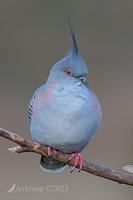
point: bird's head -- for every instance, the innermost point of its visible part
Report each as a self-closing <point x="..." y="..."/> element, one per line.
<point x="72" y="68"/>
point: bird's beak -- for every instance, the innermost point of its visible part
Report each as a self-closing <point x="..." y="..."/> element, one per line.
<point x="83" y="80"/>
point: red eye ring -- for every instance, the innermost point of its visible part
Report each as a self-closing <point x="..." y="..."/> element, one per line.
<point x="68" y="72"/>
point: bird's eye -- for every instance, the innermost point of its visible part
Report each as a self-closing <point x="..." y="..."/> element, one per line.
<point x="68" y="71"/>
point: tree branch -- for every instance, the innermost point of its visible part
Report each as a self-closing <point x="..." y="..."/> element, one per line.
<point x="98" y="170"/>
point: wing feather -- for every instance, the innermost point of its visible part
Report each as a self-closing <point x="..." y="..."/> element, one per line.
<point x="30" y="107"/>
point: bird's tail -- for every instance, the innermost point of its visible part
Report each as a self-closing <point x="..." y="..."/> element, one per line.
<point x="48" y="165"/>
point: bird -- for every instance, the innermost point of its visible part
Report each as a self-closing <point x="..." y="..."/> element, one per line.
<point x="64" y="113"/>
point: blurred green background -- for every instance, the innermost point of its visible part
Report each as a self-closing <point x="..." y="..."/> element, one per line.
<point x="33" y="36"/>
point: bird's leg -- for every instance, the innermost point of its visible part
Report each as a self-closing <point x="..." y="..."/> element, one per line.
<point x="77" y="158"/>
<point x="81" y="163"/>
<point x="55" y="152"/>
<point x="49" y="151"/>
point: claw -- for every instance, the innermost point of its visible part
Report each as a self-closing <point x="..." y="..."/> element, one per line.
<point x="49" y="152"/>
<point x="77" y="158"/>
<point x="81" y="163"/>
<point x="55" y="152"/>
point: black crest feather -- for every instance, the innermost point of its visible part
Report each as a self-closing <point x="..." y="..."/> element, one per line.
<point x="75" y="47"/>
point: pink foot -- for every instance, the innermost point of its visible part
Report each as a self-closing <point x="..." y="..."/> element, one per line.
<point x="49" y="152"/>
<point x="77" y="158"/>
